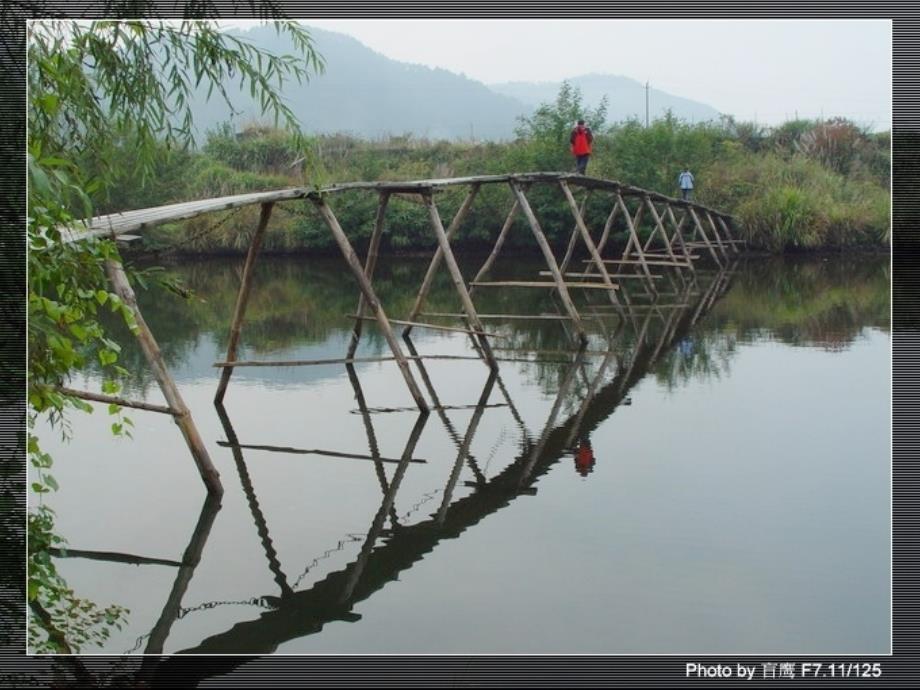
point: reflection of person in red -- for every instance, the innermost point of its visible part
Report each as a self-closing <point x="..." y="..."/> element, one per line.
<point x="584" y="458"/>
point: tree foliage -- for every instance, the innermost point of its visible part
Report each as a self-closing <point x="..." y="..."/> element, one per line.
<point x="93" y="86"/>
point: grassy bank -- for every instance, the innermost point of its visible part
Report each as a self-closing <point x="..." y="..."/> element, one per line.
<point x="803" y="186"/>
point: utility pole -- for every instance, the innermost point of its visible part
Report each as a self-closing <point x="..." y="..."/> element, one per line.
<point x="646" y="104"/>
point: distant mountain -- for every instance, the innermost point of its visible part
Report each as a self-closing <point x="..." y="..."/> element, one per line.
<point x="365" y="93"/>
<point x="369" y="95"/>
<point x="626" y="97"/>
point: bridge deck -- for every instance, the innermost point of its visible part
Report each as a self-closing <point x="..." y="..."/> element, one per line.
<point x="141" y="219"/>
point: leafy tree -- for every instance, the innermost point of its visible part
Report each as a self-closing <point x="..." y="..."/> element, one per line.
<point x="91" y="86"/>
<point x="545" y="134"/>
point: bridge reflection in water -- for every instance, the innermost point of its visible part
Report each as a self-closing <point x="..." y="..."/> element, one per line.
<point x="595" y="382"/>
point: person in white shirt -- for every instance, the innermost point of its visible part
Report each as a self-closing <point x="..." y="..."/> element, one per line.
<point x="685" y="182"/>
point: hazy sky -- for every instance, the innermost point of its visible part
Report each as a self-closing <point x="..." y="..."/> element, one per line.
<point x="749" y="68"/>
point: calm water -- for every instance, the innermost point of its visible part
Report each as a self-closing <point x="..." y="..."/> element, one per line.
<point x="718" y="486"/>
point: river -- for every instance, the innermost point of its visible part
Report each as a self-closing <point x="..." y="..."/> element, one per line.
<point x="719" y="483"/>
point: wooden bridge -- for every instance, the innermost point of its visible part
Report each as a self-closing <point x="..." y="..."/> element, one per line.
<point x="668" y="252"/>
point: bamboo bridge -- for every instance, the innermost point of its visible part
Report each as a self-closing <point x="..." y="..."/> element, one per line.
<point x="628" y="278"/>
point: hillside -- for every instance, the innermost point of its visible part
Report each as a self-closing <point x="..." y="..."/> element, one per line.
<point x="366" y="94"/>
<point x="626" y="97"/>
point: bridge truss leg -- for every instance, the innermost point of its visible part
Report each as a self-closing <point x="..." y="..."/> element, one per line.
<point x="373" y="303"/>
<point x="242" y="300"/>
<point x="180" y="412"/>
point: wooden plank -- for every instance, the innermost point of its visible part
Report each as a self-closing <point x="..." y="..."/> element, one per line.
<point x="141" y="219"/>
<point x="537" y="284"/>
<point x="316" y="451"/>
<point x="433" y="326"/>
<point x="182" y="416"/>
<point x="242" y="300"/>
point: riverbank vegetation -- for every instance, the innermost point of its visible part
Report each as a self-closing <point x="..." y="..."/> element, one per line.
<point x="805" y="185"/>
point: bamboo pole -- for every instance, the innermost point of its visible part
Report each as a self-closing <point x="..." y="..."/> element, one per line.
<point x="715" y="233"/>
<point x="373" y="303"/>
<point x="242" y="299"/>
<point x="113" y="400"/>
<point x="459" y="217"/>
<point x="181" y="414"/>
<point x="502" y="235"/>
<point x="433" y="326"/>
<point x="441" y="409"/>
<point x="386" y="508"/>
<point x="190" y="560"/>
<point x="678" y="233"/>
<point x="632" y="223"/>
<point x="369" y="265"/>
<point x="699" y="228"/>
<point x="464" y="450"/>
<point x="608" y="226"/>
<point x="573" y="238"/>
<point x="589" y="243"/>
<point x="550" y="261"/>
<point x="255" y="510"/>
<point x="731" y="240"/>
<point x="659" y="227"/>
<point x="457" y="277"/>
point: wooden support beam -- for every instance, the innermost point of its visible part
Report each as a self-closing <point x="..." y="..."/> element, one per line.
<point x="544" y="284"/>
<point x="715" y="234"/>
<point x="678" y="229"/>
<point x="625" y="276"/>
<point x="112" y="557"/>
<point x="608" y="227"/>
<point x="499" y="317"/>
<point x="181" y="414"/>
<point x="728" y="240"/>
<point x="432" y="326"/>
<point x="457" y="277"/>
<point x="242" y="299"/>
<point x="315" y="451"/>
<point x="502" y="235"/>
<point x="113" y="400"/>
<point x="373" y="303"/>
<point x="646" y="262"/>
<point x="434" y="408"/>
<point x="632" y="224"/>
<point x="550" y="261"/>
<point x="459" y="217"/>
<point x="589" y="243"/>
<point x="698" y="226"/>
<point x="573" y="238"/>
<point x="369" y="265"/>
<point x="659" y="227"/>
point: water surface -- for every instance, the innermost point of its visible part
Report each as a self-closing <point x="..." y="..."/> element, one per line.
<point x="735" y="498"/>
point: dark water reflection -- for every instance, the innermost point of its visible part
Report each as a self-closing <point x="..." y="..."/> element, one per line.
<point x="708" y="478"/>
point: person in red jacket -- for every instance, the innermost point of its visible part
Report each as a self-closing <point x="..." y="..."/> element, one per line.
<point x="584" y="458"/>
<point x="580" y="140"/>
